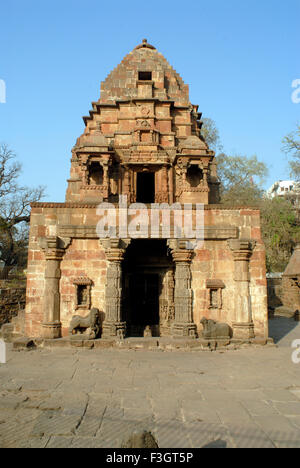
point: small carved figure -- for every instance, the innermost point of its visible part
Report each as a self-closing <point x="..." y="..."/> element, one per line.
<point x="215" y="330"/>
<point x="147" y="331"/>
<point x="120" y="334"/>
<point x="89" y="324"/>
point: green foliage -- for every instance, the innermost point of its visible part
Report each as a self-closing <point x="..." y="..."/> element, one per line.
<point x="280" y="231"/>
<point x="241" y="179"/>
<point x="210" y="134"/>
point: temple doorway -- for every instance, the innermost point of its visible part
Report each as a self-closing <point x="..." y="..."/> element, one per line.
<point x="148" y="289"/>
<point x="145" y="300"/>
<point x="145" y="187"/>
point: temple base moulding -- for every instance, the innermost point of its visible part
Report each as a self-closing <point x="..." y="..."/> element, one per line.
<point x="114" y="329"/>
<point x="51" y="331"/>
<point x="243" y="331"/>
<point x="187" y="330"/>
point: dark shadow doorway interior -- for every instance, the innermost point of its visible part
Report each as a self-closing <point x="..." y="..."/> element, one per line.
<point x="145" y="187"/>
<point x="145" y="268"/>
<point x="144" y="300"/>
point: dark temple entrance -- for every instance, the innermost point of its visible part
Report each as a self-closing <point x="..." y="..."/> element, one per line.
<point x="145" y="300"/>
<point x="145" y="294"/>
<point x="145" y="187"/>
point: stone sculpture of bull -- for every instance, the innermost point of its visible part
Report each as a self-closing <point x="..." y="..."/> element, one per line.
<point x="215" y="330"/>
<point x="89" y="324"/>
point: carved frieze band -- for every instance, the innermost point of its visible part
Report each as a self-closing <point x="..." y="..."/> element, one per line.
<point x="208" y="233"/>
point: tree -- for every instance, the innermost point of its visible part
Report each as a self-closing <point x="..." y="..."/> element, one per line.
<point x="211" y="134"/>
<point x="14" y="212"/>
<point x="9" y="171"/>
<point x="280" y="231"/>
<point x="291" y="146"/>
<point x="241" y="179"/>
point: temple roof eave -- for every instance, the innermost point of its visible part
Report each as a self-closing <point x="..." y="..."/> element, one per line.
<point x="115" y="104"/>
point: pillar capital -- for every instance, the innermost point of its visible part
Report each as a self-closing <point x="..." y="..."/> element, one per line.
<point x="180" y="251"/>
<point x="54" y="247"/>
<point x="115" y="255"/>
<point x="182" y="256"/>
<point x="115" y="248"/>
<point x="242" y="248"/>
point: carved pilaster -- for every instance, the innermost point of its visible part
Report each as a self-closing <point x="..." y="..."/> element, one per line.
<point x="163" y="195"/>
<point x="54" y="248"/>
<point x="113" y="324"/>
<point x="205" y="176"/>
<point x="242" y="250"/>
<point x="183" y="295"/>
<point x="105" y="165"/>
<point x="127" y="183"/>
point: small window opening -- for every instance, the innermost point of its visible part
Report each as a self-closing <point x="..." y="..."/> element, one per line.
<point x="145" y="187"/>
<point x="145" y="76"/>
<point x="95" y="174"/>
<point x="194" y="176"/>
<point x="145" y="137"/>
<point x="214" y="298"/>
<point x="82" y="295"/>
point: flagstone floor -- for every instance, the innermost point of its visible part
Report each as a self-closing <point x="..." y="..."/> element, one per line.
<point x="75" y="398"/>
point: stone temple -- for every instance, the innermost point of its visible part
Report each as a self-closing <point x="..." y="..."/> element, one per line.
<point x="142" y="143"/>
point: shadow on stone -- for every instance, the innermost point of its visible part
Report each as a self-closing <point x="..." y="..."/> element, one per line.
<point x="216" y="444"/>
<point x="279" y="327"/>
<point x="139" y="439"/>
<point x="24" y="343"/>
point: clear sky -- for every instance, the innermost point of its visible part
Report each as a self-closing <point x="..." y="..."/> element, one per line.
<point x="239" y="57"/>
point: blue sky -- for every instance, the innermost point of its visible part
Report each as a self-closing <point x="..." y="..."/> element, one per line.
<point x="239" y="58"/>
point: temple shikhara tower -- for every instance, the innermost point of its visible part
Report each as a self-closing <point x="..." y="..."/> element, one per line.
<point x="142" y="143"/>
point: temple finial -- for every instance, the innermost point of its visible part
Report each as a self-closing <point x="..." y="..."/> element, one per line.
<point x="145" y="44"/>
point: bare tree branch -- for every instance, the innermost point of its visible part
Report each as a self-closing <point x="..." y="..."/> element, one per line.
<point x="15" y="204"/>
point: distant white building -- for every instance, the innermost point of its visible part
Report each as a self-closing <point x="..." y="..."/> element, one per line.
<point x="282" y="188"/>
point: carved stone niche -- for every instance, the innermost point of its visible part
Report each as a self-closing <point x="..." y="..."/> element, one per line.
<point x="83" y="288"/>
<point x="214" y="287"/>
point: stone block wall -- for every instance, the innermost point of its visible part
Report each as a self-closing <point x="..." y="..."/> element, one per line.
<point x="85" y="258"/>
<point x="275" y="292"/>
<point x="214" y="263"/>
<point x="291" y="292"/>
<point x="12" y="300"/>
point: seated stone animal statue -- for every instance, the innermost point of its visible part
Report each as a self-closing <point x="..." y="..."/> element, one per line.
<point x="215" y="330"/>
<point x="86" y="325"/>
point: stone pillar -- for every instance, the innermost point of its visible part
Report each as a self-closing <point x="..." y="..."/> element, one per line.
<point x="127" y="183"/>
<point x="165" y="185"/>
<point x="183" y="295"/>
<point x="113" y="325"/>
<point x="243" y="326"/>
<point x="51" y="326"/>
<point x="205" y="176"/>
<point x="171" y="185"/>
<point x="105" y="166"/>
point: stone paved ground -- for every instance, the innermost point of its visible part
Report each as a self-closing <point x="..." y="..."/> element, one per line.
<point x="93" y="398"/>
